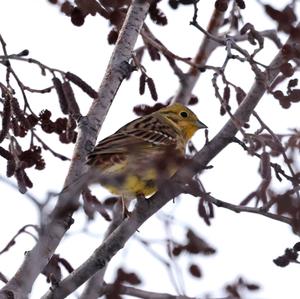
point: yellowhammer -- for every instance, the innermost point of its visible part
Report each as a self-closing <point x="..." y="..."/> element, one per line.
<point x="144" y="151"/>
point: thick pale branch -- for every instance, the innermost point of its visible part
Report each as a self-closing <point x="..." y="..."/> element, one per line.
<point x="91" y="290"/>
<point x="145" y="209"/>
<point x="60" y="219"/>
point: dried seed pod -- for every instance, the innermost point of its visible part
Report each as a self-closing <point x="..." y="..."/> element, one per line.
<point x="5" y="117"/>
<point x="69" y="94"/>
<point x="63" y="103"/>
<point x="82" y="84"/>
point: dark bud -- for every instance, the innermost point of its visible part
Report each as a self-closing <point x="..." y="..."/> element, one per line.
<point x="193" y="100"/>
<point x="281" y="261"/>
<point x="77" y="17"/>
<point x="67" y="8"/>
<point x="195" y="271"/>
<point x="82" y="84"/>
<point x="252" y="286"/>
<point x="241" y="4"/>
<point x="177" y="250"/>
<point x="23" y="53"/>
<point x="221" y="5"/>
<point x="296" y="247"/>
<point x="113" y="36"/>
<point x="174" y="4"/>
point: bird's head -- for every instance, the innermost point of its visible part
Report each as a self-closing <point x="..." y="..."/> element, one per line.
<point x="183" y="119"/>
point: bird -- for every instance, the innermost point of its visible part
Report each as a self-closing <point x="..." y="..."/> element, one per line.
<point x="132" y="161"/>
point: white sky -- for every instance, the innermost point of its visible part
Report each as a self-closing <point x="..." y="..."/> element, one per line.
<point x="246" y="243"/>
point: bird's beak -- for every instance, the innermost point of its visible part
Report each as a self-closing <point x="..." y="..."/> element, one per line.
<point x="201" y="125"/>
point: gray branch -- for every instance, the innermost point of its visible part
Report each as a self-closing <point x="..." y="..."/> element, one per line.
<point x="144" y="209"/>
<point x="60" y="219"/>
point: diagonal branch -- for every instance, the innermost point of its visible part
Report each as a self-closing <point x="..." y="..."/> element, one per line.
<point x="60" y="219"/>
<point x="177" y="185"/>
<point x="238" y="209"/>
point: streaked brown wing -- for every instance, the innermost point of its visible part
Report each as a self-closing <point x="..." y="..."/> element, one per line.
<point x="142" y="133"/>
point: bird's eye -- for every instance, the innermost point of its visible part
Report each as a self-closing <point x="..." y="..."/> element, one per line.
<point x="183" y="114"/>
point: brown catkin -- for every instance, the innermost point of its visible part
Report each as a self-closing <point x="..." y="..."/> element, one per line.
<point x="5" y="153"/>
<point x="11" y="167"/>
<point x="19" y="173"/>
<point x="63" y="103"/>
<point x="152" y="88"/>
<point x="142" y="84"/>
<point x="69" y="94"/>
<point x="82" y="84"/>
<point x="5" y="118"/>
<point x="19" y="114"/>
<point x="265" y="166"/>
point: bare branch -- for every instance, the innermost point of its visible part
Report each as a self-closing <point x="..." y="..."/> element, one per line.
<point x="134" y="292"/>
<point x="60" y="218"/>
<point x="238" y="209"/>
<point x="177" y="185"/>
